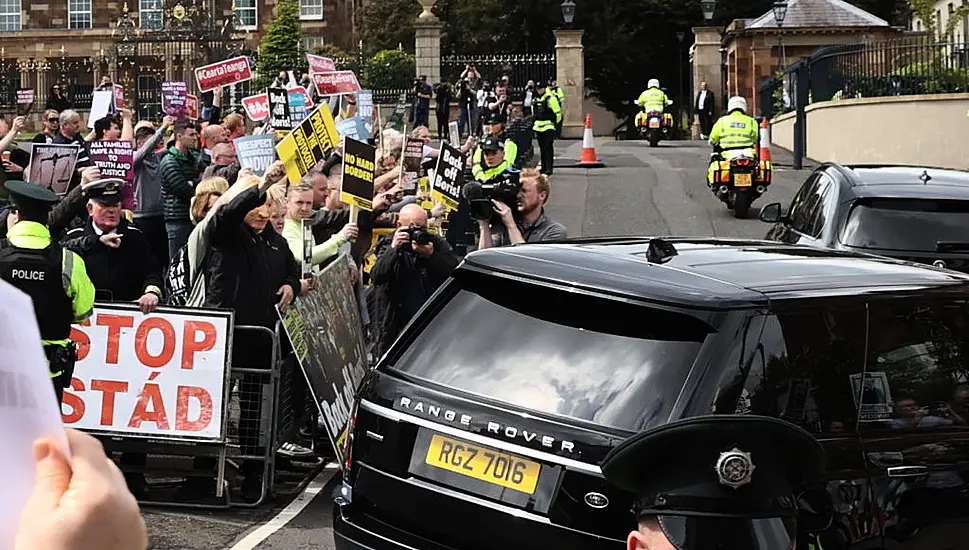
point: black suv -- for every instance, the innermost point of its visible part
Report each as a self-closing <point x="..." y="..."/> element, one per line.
<point x="912" y="213"/>
<point x="484" y="425"/>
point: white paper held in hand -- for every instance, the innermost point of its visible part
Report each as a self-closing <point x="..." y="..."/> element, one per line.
<point x="28" y="406"/>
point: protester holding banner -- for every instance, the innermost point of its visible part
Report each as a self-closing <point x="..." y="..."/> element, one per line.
<point x="149" y="211"/>
<point x="16" y="159"/>
<point x="50" y="122"/>
<point x="411" y="264"/>
<point x="299" y="207"/>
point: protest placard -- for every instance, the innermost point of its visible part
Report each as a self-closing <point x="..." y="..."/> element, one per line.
<point x="365" y="110"/>
<point x="256" y="107"/>
<point x="336" y="82"/>
<point x="297" y="106"/>
<point x="174" y="98"/>
<point x="454" y="133"/>
<point x="308" y="143"/>
<point x="448" y="177"/>
<point x="307" y="100"/>
<point x="115" y="159"/>
<point x="353" y="128"/>
<point x="308" y="243"/>
<point x="256" y="152"/>
<point x="25" y="97"/>
<point x="118" y="97"/>
<point x="413" y="153"/>
<point x="359" y="160"/>
<point x="320" y="64"/>
<point x="192" y="106"/>
<point x="161" y="375"/>
<point x="102" y="104"/>
<point x="325" y="331"/>
<point x="52" y="165"/>
<point x="223" y="73"/>
<point x="279" y="109"/>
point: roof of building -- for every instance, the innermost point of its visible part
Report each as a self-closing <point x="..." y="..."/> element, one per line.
<point x="819" y="13"/>
<point x="706" y="272"/>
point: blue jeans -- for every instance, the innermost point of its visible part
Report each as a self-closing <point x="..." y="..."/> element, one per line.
<point x="178" y="232"/>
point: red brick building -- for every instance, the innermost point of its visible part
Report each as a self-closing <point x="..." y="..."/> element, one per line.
<point x="752" y="49"/>
<point x="77" y="41"/>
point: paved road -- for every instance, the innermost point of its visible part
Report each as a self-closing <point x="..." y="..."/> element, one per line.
<point x="641" y="191"/>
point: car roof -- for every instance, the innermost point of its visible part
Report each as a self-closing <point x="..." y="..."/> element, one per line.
<point x="708" y="273"/>
<point x="896" y="181"/>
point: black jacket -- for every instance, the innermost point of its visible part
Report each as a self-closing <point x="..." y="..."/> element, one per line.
<point x="390" y="274"/>
<point x="243" y="270"/>
<point x="124" y="272"/>
<point x="63" y="216"/>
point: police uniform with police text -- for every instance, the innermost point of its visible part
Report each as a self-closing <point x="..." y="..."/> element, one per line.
<point x="479" y="169"/>
<point x="719" y="482"/>
<point x="55" y="278"/>
<point x="127" y="272"/>
<point x="548" y="115"/>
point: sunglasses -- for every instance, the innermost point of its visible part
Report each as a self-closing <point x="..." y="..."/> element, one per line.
<point x="53" y="120"/>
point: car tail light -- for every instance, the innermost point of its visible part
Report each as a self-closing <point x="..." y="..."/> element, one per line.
<point x="348" y="438"/>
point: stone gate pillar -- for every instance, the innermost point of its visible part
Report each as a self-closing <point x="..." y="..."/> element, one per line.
<point x="427" y="50"/>
<point x="706" y="58"/>
<point x="570" y="75"/>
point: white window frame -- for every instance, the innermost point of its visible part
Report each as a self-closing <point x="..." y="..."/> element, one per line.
<point x="12" y="20"/>
<point x="314" y="5"/>
<point x="310" y="42"/>
<point x="146" y="7"/>
<point x="255" y="11"/>
<point x="89" y="12"/>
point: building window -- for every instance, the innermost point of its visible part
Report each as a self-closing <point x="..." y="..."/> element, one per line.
<point x="150" y="14"/>
<point x="247" y="13"/>
<point x="311" y="9"/>
<point x="10" y="15"/>
<point x="79" y="14"/>
<point x="310" y="43"/>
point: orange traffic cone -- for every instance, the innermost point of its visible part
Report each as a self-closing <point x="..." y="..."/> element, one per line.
<point x="765" y="140"/>
<point x="589" y="159"/>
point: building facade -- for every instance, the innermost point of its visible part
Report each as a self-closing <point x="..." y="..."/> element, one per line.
<point x="141" y="43"/>
<point x="946" y="13"/>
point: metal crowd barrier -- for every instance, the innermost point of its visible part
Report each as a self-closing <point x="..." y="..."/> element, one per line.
<point x="246" y="438"/>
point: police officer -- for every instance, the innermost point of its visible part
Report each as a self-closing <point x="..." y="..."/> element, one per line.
<point x="718" y="482"/>
<point x="653" y="97"/>
<point x="55" y="278"/>
<point x="494" y="126"/>
<point x="491" y="158"/>
<point x="559" y="95"/>
<point x="733" y="134"/>
<point x="548" y="115"/>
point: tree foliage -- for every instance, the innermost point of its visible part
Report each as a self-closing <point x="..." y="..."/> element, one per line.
<point x="385" y="24"/>
<point x="389" y="69"/>
<point x="280" y="49"/>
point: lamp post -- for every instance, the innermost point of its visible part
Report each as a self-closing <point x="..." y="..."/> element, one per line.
<point x="780" y="13"/>
<point x="568" y="12"/>
<point x="681" y="104"/>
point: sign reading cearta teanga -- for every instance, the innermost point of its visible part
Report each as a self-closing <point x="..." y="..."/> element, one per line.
<point x="223" y="73"/>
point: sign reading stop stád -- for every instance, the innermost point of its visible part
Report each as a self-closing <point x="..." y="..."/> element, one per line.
<point x="162" y="375"/>
<point x="223" y="73"/>
<point x="338" y="82"/>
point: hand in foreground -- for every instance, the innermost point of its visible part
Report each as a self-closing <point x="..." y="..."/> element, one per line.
<point x="148" y="302"/>
<point x="306" y="285"/>
<point x="79" y="505"/>
<point x="350" y="231"/>
<point x="89" y="175"/>
<point x="112" y="240"/>
<point x="286" y="294"/>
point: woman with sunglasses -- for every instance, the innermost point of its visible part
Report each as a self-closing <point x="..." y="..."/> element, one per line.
<point x="51" y="125"/>
<point x="57" y="99"/>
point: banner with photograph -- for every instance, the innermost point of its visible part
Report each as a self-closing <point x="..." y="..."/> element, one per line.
<point x="52" y="165"/>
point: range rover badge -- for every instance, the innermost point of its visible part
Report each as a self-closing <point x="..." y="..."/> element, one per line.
<point x="596" y="500"/>
<point x="735" y="468"/>
<point x="939" y="263"/>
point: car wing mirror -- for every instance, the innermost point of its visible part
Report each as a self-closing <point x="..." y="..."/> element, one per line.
<point x="772" y="213"/>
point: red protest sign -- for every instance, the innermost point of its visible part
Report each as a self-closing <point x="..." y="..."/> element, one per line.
<point x="192" y="106"/>
<point x="338" y="82"/>
<point x="223" y="73"/>
<point x="301" y="90"/>
<point x="256" y="106"/>
<point x="320" y="64"/>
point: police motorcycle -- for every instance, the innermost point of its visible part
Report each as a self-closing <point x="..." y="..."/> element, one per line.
<point x="739" y="180"/>
<point x="654" y="125"/>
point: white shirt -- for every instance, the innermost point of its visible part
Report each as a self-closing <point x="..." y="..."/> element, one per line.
<point x="701" y="99"/>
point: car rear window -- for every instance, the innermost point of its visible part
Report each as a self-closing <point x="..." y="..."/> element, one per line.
<point x="608" y="362"/>
<point x="906" y="224"/>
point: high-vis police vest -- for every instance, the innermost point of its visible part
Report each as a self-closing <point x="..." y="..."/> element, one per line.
<point x="653" y="99"/>
<point x="735" y="131"/>
<point x="547" y="112"/>
<point x="480" y="170"/>
<point x="39" y="274"/>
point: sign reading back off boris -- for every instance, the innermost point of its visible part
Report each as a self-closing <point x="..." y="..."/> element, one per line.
<point x="160" y="375"/>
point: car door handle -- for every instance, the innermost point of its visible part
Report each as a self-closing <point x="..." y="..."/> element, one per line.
<point x="907" y="471"/>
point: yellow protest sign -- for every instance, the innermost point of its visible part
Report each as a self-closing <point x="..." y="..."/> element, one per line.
<point x="308" y="144"/>
<point x="356" y="185"/>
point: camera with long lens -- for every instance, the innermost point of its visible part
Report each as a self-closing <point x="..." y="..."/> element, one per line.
<point x="503" y="188"/>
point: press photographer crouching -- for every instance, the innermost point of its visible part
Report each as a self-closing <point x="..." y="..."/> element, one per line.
<point x="511" y="210"/>
<point x="411" y="264"/>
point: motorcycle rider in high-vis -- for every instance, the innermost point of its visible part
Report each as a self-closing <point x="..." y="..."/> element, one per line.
<point x="653" y="98"/>
<point x="734" y="134"/>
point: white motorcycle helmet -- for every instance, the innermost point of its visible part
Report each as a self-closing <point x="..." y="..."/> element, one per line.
<point x="737" y="103"/>
<point x="653" y="83"/>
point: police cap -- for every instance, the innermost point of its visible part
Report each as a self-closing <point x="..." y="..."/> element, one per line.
<point x="539" y="84"/>
<point x="492" y="144"/>
<point x="719" y="477"/>
<point x="29" y="197"/>
<point x="106" y="191"/>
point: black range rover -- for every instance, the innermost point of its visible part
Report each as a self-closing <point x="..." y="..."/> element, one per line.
<point x="483" y="426"/>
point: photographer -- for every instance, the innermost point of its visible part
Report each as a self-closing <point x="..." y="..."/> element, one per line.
<point x="411" y="264"/>
<point x="422" y="102"/>
<point x="528" y="223"/>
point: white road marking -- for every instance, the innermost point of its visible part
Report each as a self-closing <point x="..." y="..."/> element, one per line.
<point x="263" y="532"/>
